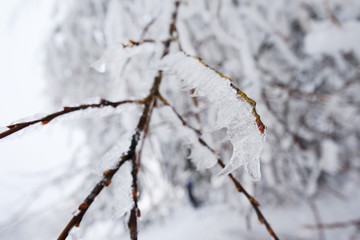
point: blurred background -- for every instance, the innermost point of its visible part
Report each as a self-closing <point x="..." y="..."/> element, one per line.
<point x="299" y="60"/>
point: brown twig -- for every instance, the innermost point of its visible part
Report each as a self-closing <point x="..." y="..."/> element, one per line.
<point x="331" y="14"/>
<point x="154" y="93"/>
<point x="254" y="203"/>
<point x="147" y="27"/>
<point x="144" y="119"/>
<point x="103" y="103"/>
<point x="172" y="30"/>
<point x="196" y="104"/>
<point x="84" y="206"/>
<point x="136" y="43"/>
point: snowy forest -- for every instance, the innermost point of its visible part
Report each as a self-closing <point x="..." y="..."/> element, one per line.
<point x="203" y="119"/>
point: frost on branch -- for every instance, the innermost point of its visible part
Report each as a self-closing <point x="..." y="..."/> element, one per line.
<point x="235" y="111"/>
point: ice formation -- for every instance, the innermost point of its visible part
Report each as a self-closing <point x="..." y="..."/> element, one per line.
<point x="235" y="111"/>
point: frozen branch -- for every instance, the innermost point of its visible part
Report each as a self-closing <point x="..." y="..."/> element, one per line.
<point x="45" y="120"/>
<point x="84" y="206"/>
<point x="136" y="43"/>
<point x="254" y="203"/>
<point x="108" y="174"/>
<point x="241" y="109"/>
<point x="142" y="126"/>
<point x="235" y="110"/>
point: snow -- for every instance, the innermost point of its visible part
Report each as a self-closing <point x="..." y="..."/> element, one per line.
<point x="27" y="163"/>
<point x="121" y="181"/>
<point x="91" y="112"/>
<point x="121" y="185"/>
<point x="327" y="38"/>
<point x="234" y="113"/>
<point x="119" y="55"/>
<point x="200" y="156"/>
<point x="219" y="221"/>
<point x="329" y="160"/>
<point x="303" y="78"/>
<point x="190" y="224"/>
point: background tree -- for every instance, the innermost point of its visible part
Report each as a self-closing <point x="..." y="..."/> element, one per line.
<point x="298" y="61"/>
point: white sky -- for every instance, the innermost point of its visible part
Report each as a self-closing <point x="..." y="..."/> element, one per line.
<point x="24" y="26"/>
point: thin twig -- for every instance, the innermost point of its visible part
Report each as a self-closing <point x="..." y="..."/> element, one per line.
<point x="298" y="93"/>
<point x="136" y="43"/>
<point x="254" y="203"/>
<point x="147" y="27"/>
<point x="103" y="103"/>
<point x="334" y="225"/>
<point x="331" y="14"/>
<point x="317" y="218"/>
<point x="83" y="207"/>
<point x="135" y="212"/>
<point x="144" y="119"/>
<point x="172" y="30"/>
<point x="108" y="174"/>
<point x="149" y="103"/>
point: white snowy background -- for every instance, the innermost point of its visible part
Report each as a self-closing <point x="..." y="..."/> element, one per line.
<point x="30" y="159"/>
<point x="27" y="160"/>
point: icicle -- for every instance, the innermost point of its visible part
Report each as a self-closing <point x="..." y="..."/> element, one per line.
<point x="235" y="111"/>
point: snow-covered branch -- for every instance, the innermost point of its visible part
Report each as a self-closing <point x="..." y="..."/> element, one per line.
<point x="13" y="128"/>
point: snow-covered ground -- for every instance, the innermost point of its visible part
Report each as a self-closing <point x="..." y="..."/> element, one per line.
<point x="219" y="221"/>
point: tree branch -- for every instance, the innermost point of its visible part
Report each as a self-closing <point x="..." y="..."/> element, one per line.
<point x="144" y="119"/>
<point x="254" y="203"/>
<point x="334" y="225"/>
<point x="103" y="103"/>
<point x="172" y="30"/>
<point x="108" y="174"/>
<point x="83" y="207"/>
<point x="149" y="103"/>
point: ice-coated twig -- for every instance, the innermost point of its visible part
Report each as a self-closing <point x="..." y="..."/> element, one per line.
<point x="84" y="206"/>
<point x="149" y="104"/>
<point x="136" y="43"/>
<point x="166" y="43"/>
<point x="145" y="118"/>
<point x="261" y="126"/>
<point x="108" y="174"/>
<point x="138" y="137"/>
<point x="103" y="103"/>
<point x="254" y="203"/>
<point x="235" y="110"/>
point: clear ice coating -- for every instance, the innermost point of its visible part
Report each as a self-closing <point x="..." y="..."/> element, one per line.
<point x="233" y="112"/>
